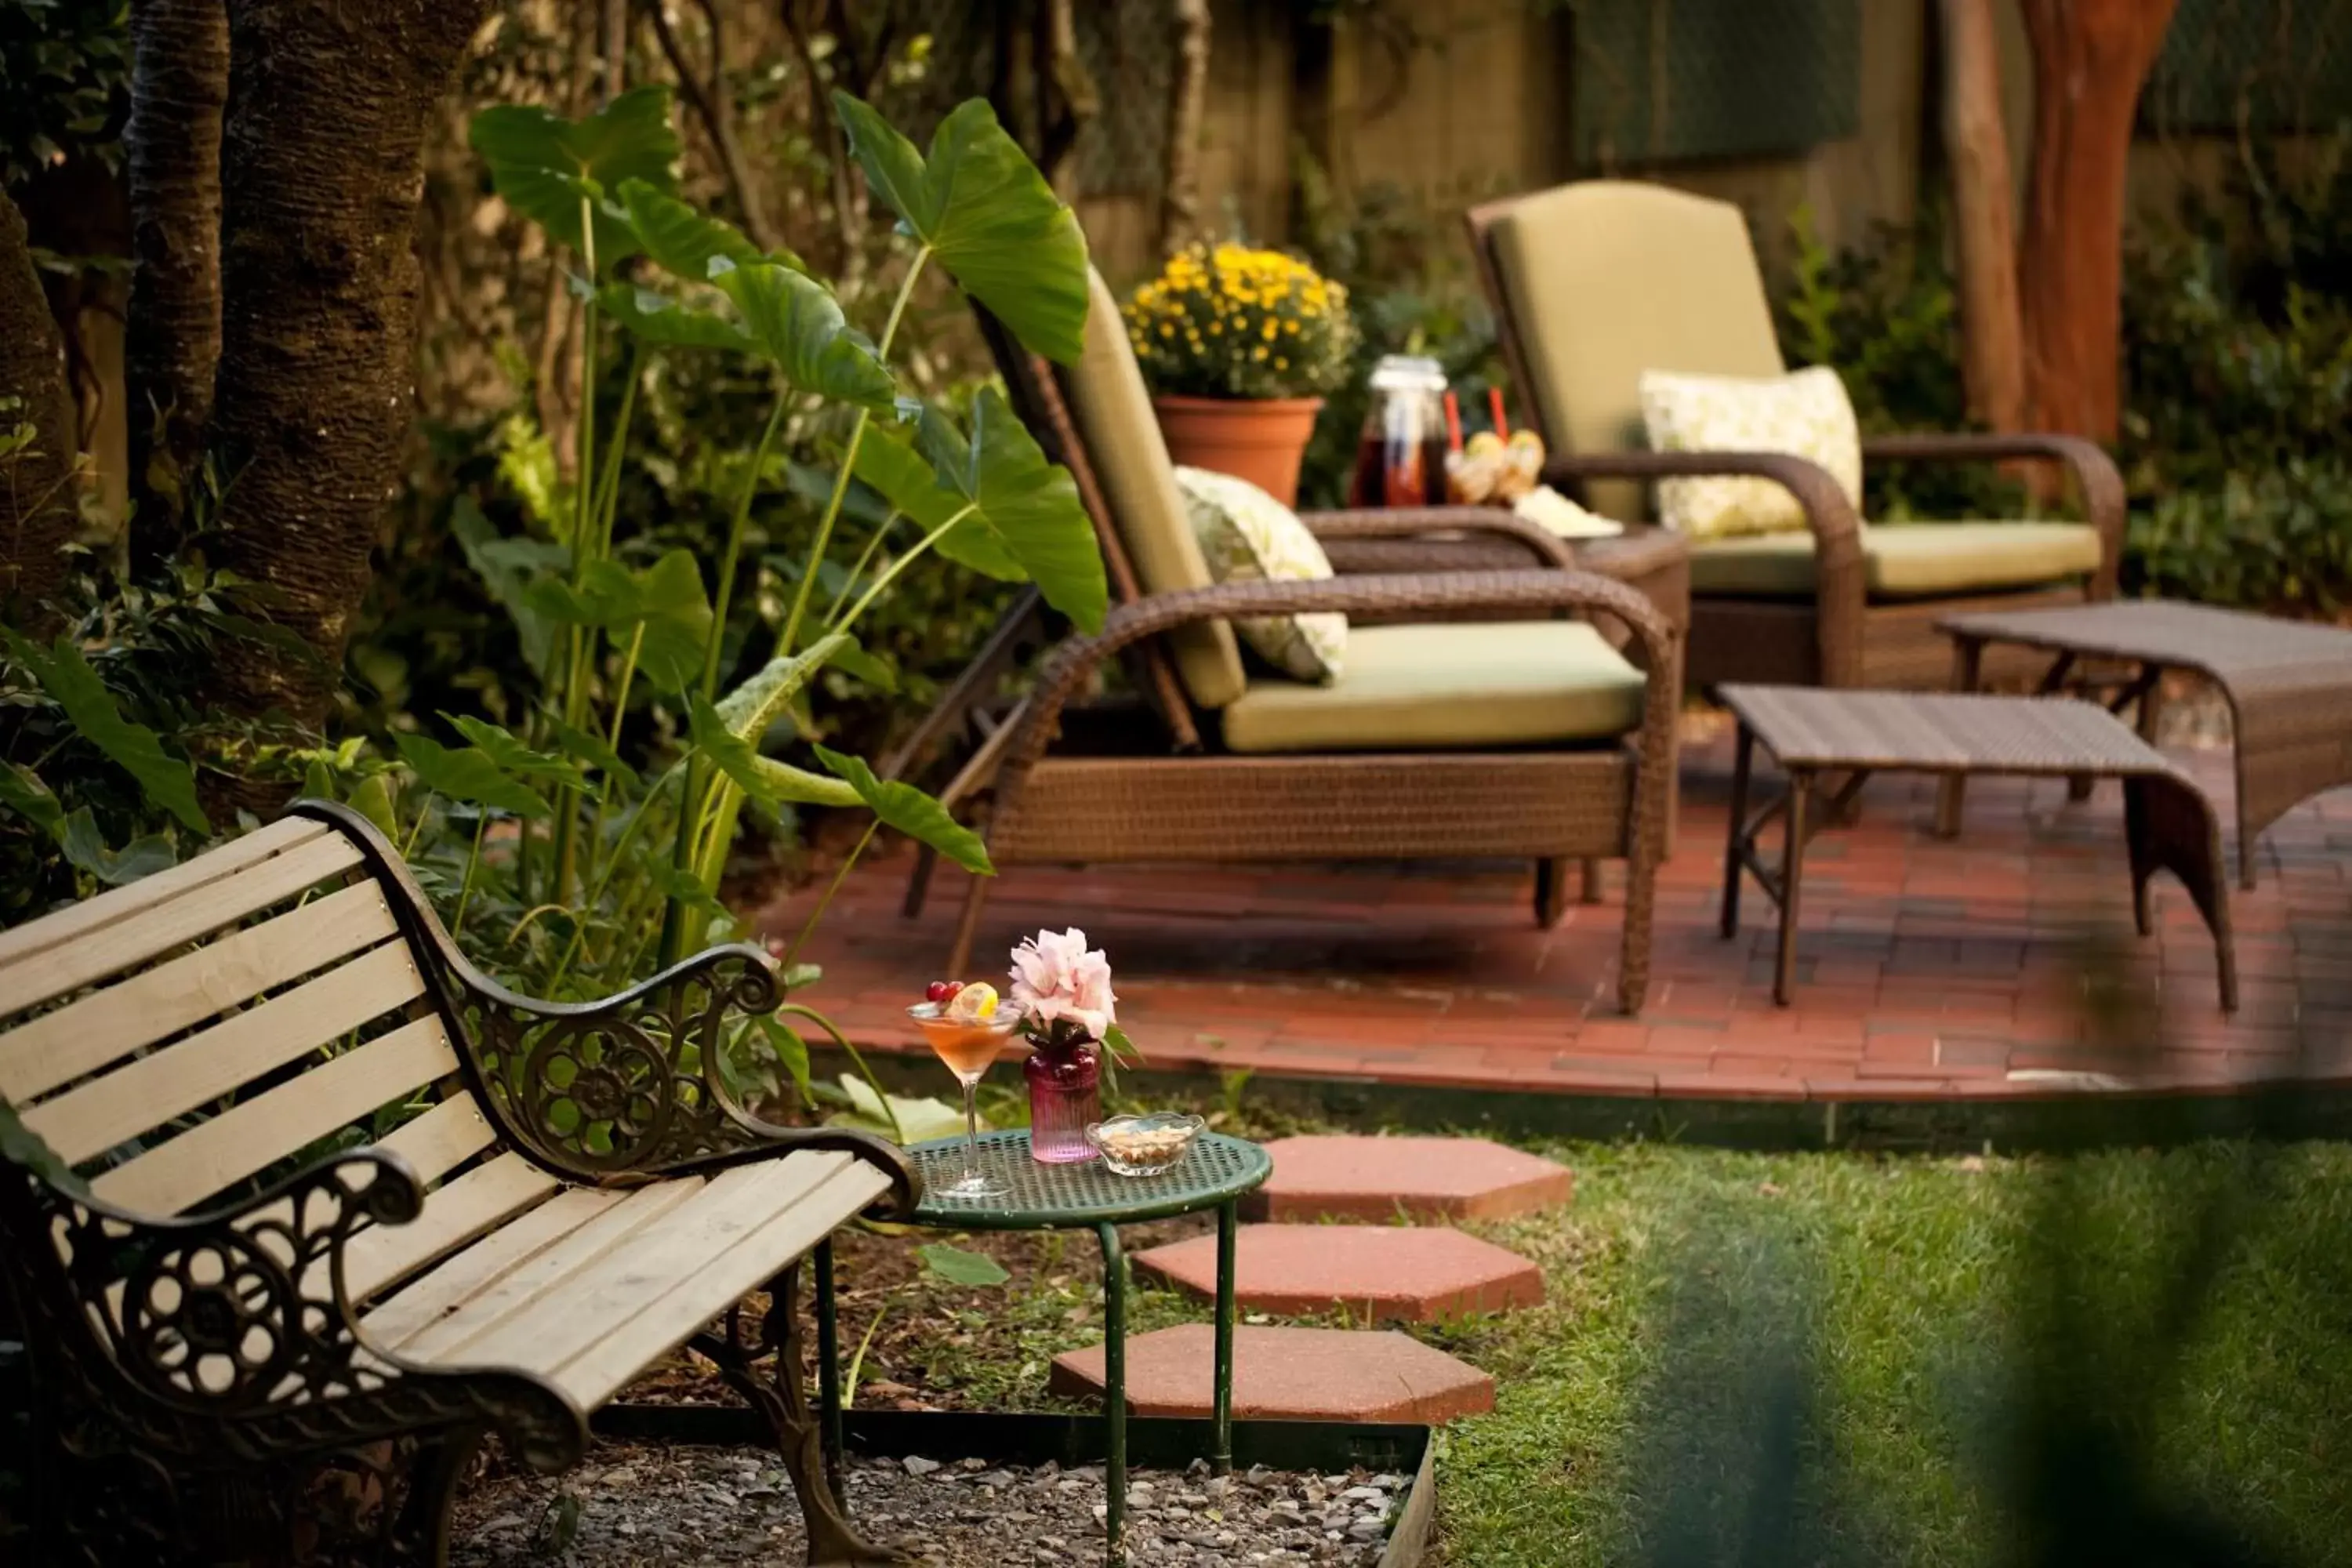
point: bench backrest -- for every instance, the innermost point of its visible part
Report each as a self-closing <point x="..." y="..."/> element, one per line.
<point x="175" y="1037"/>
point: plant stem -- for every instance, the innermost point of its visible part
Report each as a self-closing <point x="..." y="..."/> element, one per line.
<point x="424" y="816"/>
<point x="808" y="928"/>
<point x="785" y="644"/>
<point x="864" y="559"/>
<point x="575" y="682"/>
<point x="473" y="864"/>
<point x="588" y="870"/>
<point x="802" y="1010"/>
<point x="890" y="573"/>
<point x="857" y="1362"/>
<point x="728" y="557"/>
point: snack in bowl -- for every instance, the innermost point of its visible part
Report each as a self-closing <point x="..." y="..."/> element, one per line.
<point x="1149" y="1145"/>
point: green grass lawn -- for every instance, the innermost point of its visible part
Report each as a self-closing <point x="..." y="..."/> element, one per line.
<point x="1849" y="1358"/>
<point x="1877" y="1360"/>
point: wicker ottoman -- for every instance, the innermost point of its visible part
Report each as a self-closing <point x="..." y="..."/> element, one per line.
<point x="2167" y="822"/>
<point x="2288" y="685"/>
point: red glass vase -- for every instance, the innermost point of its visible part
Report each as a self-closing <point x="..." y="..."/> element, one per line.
<point x="1065" y="1094"/>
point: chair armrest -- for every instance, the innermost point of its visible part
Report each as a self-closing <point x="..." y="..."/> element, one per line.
<point x="1068" y="671"/>
<point x="1839" y="591"/>
<point x="655" y="1100"/>
<point x="2097" y="479"/>
<point x="155" y="1321"/>
<point x="1413" y="522"/>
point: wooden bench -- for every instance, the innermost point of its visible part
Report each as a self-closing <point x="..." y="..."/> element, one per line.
<point x="248" y="1314"/>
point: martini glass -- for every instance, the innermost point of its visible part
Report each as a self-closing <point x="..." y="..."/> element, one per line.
<point x="967" y="1047"/>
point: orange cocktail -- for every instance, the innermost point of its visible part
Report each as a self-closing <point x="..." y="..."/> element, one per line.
<point x="968" y="1039"/>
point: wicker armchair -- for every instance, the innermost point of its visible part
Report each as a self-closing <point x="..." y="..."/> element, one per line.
<point x="1595" y="282"/>
<point x="1169" y="777"/>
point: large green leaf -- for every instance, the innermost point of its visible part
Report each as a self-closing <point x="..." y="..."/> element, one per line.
<point x="543" y="165"/>
<point x="681" y="238"/>
<point x="957" y="1266"/>
<point x="665" y="599"/>
<point x="671" y="323"/>
<point x="676" y="610"/>
<point x="168" y="782"/>
<point x="85" y="848"/>
<point x="1030" y="505"/>
<point x="507" y="565"/>
<point x="988" y="215"/>
<point x="589" y="748"/>
<point x="510" y="755"/>
<point x="468" y="775"/>
<point x="905" y="478"/>
<point x="798" y="324"/>
<point x="912" y="813"/>
<point x="760" y="701"/>
<point x="763" y="779"/>
<point x="22" y="792"/>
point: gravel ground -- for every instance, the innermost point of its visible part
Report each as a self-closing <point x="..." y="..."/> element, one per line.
<point x="647" y="1505"/>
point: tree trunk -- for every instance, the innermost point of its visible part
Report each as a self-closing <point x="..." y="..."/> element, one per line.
<point x="2090" y="58"/>
<point x="179" y="89"/>
<point x="38" y="512"/>
<point x="1187" y="89"/>
<point x="1068" y="101"/>
<point x="1984" y="225"/>
<point x="321" y="176"/>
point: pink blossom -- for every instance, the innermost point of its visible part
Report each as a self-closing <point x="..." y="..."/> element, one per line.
<point x="1057" y="977"/>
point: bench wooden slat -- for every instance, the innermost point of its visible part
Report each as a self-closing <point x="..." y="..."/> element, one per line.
<point x="483" y="1265"/>
<point x="54" y="968"/>
<point x="597" y="1302"/>
<point x="441" y="1140"/>
<point x="118" y="904"/>
<point x="472" y="1205"/>
<point x="175" y="1176"/>
<point x="103" y="1027"/>
<point x="548" y="1278"/>
<point x="149" y="1092"/>
<point x="601" y="1368"/>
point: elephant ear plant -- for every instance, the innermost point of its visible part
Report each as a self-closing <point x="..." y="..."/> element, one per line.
<point x="586" y="866"/>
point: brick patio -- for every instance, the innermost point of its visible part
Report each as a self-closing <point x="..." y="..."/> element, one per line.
<point x="1928" y="969"/>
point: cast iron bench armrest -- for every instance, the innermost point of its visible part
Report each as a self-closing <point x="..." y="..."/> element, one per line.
<point x="1072" y="664"/>
<point x="657" y="1086"/>
<point x="1412" y="522"/>
<point x="180" y="1302"/>
<point x="2097" y="479"/>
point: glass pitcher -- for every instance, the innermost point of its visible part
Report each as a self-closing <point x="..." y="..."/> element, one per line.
<point x="1400" y="459"/>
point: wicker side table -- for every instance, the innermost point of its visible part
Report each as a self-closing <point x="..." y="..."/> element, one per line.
<point x="2167" y="822"/>
<point x="1216" y="1173"/>
<point x="2288" y="685"/>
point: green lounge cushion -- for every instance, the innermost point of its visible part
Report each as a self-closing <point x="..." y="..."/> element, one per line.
<point x="1906" y="561"/>
<point x="1474" y="684"/>
<point x="1113" y="411"/>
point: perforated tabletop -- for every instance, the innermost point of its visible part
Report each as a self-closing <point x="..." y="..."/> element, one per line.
<point x="1214" y="1170"/>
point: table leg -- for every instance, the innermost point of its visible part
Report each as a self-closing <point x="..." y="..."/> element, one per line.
<point x="1968" y="674"/>
<point x="1743" y="758"/>
<point x="828" y="1365"/>
<point x="1228" y="1223"/>
<point x="1792" y="856"/>
<point x="1114" y="1391"/>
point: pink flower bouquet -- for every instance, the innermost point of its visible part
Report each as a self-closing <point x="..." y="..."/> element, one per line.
<point x="1064" y="990"/>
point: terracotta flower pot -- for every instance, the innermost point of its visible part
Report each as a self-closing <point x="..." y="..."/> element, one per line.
<point x="1257" y="440"/>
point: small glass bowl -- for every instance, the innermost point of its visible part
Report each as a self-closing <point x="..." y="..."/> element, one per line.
<point x="1149" y="1146"/>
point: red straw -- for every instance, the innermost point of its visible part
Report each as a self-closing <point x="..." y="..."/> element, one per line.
<point x="1452" y="423"/>
<point x="1495" y="403"/>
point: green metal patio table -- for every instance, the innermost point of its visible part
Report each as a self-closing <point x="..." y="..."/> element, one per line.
<point x="1215" y="1172"/>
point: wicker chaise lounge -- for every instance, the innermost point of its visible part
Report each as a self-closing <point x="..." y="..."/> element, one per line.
<point x="1595" y="283"/>
<point x="1531" y="738"/>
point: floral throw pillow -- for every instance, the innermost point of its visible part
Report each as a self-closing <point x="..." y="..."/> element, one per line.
<point x="1805" y="413"/>
<point x="1248" y="536"/>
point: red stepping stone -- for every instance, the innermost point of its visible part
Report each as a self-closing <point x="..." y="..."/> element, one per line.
<point x="1342" y="1177"/>
<point x="1381" y="1271"/>
<point x="1286" y="1374"/>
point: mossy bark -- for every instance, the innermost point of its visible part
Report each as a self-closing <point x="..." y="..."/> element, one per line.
<point x="320" y="180"/>
<point x="171" y="151"/>
<point x="38" y="510"/>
